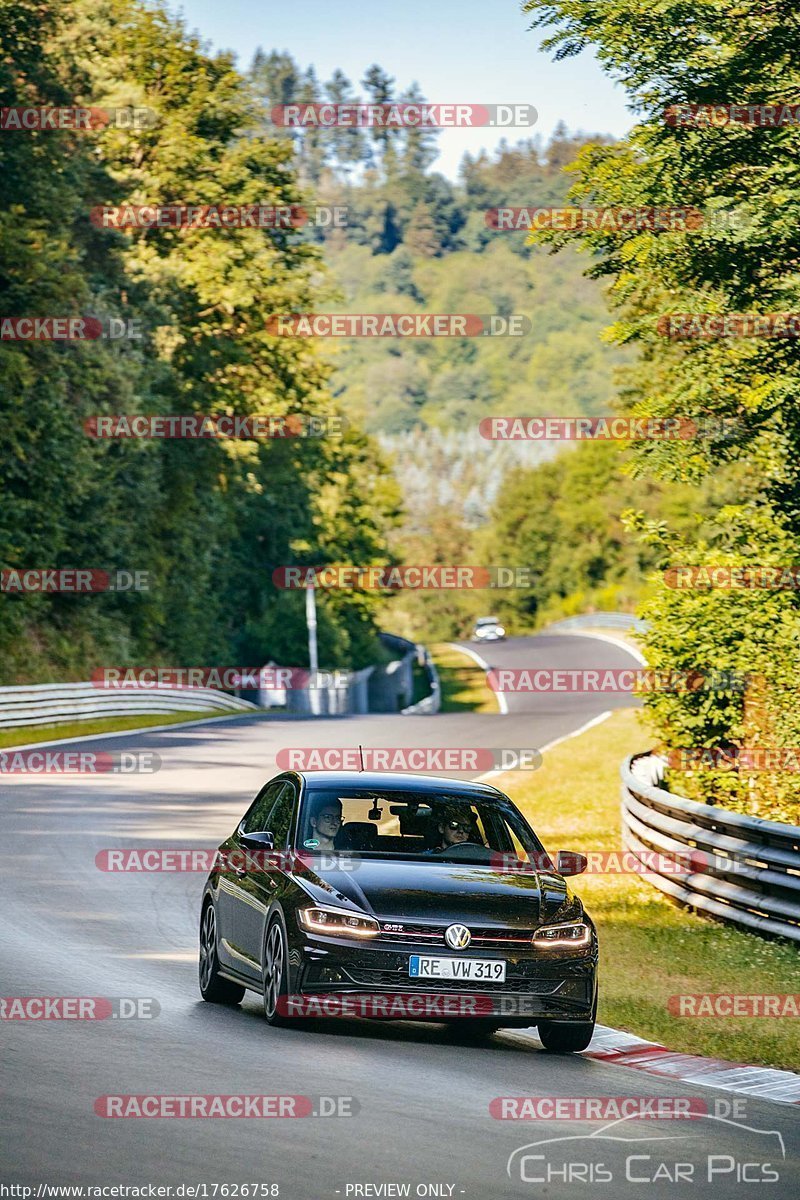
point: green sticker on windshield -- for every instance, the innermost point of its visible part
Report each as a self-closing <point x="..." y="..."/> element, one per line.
<point x="311" y="843"/>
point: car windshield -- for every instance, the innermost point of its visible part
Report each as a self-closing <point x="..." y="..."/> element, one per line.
<point x="487" y="621"/>
<point x="416" y="825"/>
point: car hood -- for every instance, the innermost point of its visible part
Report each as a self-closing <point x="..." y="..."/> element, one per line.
<point x="447" y="892"/>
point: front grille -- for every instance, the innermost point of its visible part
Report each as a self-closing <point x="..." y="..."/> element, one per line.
<point x="399" y="980"/>
<point x="433" y="935"/>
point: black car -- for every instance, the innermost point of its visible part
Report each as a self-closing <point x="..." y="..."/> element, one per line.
<point x="388" y="895"/>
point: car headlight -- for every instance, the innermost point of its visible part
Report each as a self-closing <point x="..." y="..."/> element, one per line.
<point x="577" y="933"/>
<point x="500" y="631"/>
<point x="319" y="919"/>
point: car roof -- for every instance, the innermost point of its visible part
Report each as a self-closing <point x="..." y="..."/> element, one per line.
<point x="397" y="781"/>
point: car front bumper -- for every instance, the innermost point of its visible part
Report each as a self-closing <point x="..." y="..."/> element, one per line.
<point x="539" y="984"/>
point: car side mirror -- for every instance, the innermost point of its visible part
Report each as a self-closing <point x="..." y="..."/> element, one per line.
<point x="569" y="862"/>
<point x="258" y="841"/>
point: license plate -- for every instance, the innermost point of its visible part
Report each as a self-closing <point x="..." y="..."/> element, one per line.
<point x="424" y="966"/>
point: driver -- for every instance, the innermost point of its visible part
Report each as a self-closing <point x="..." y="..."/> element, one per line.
<point x="455" y="828"/>
<point x="325" y="821"/>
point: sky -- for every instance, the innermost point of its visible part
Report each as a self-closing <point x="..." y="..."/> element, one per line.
<point x="466" y="51"/>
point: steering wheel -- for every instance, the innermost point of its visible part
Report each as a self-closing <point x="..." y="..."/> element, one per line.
<point x="457" y="846"/>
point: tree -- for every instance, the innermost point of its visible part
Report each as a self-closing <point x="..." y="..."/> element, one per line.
<point x="419" y="142"/>
<point x="380" y="90"/>
<point x="742" y="259"/>
<point x="347" y="143"/>
<point x="275" y="78"/>
<point x="420" y="236"/>
<point x="315" y="141"/>
<point x="208" y="520"/>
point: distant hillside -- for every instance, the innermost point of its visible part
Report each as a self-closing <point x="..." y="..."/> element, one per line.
<point x="416" y="242"/>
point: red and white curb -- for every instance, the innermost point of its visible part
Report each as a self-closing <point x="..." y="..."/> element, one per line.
<point x="625" y="1050"/>
<point x="620" y="1049"/>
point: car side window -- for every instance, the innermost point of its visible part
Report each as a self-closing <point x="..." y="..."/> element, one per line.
<point x="256" y="820"/>
<point x="280" y="819"/>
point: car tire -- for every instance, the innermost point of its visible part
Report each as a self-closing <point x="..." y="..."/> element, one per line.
<point x="568" y="1037"/>
<point x="565" y="1037"/>
<point x="214" y="987"/>
<point x="275" y="975"/>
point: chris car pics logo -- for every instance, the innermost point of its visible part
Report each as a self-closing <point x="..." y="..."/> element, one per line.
<point x="725" y="1152"/>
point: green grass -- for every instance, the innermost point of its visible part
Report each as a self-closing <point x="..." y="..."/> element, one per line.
<point x="23" y="734"/>
<point x="463" y="682"/>
<point x="651" y="949"/>
<point x="420" y="680"/>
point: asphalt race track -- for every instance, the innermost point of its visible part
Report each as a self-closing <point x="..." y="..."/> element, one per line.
<point x="422" y="1092"/>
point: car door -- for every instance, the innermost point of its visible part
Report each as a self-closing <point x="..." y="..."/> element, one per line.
<point x="264" y="879"/>
<point x="232" y="889"/>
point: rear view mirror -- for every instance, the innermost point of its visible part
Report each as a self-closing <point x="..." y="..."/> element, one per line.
<point x="569" y="862"/>
<point x="258" y="841"/>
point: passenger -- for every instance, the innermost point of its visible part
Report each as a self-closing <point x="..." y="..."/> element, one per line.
<point x="325" y="821"/>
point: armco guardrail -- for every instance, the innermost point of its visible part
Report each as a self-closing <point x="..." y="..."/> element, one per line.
<point x="48" y="703"/>
<point x="433" y="701"/>
<point x="600" y="620"/>
<point x="748" y="869"/>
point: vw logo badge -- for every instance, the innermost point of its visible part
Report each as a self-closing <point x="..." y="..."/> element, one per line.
<point x="458" y="937"/>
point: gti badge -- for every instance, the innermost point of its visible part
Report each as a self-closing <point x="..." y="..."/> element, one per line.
<point x="458" y="937"/>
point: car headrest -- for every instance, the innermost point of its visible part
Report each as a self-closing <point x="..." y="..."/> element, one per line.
<point x="358" y="835"/>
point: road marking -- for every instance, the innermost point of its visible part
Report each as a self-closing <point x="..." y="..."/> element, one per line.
<point x="567" y="736"/>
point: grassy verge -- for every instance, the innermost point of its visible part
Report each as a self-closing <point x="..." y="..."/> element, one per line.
<point x="651" y="949"/>
<point x="420" y="680"/>
<point x="463" y="682"/>
<point x="23" y="734"/>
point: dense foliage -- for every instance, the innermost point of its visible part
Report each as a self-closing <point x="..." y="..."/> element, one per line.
<point x="717" y="52"/>
<point x="208" y="520"/>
